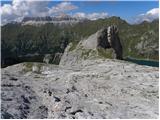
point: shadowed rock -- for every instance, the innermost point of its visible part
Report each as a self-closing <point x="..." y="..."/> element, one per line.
<point x="108" y="38"/>
<point x="105" y="43"/>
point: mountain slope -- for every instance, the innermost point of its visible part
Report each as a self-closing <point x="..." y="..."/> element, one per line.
<point x="138" y="41"/>
<point x="87" y="83"/>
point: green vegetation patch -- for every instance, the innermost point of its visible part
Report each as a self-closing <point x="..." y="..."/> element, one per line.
<point x="86" y="52"/>
<point x="73" y="46"/>
<point x="108" y="53"/>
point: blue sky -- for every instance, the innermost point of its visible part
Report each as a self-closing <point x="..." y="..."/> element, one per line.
<point x="125" y="9"/>
<point x="128" y="10"/>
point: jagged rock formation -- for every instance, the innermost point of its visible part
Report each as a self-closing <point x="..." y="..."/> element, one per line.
<point x="109" y="38"/>
<point x="104" y="43"/>
<point x="57" y="57"/>
<point x="58" y="20"/>
<point x="101" y="88"/>
<point x="48" y="18"/>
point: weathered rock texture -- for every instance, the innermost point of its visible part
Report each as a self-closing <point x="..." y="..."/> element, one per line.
<point x="90" y="89"/>
<point x="109" y="38"/>
<point x="84" y="85"/>
<point x="105" y="43"/>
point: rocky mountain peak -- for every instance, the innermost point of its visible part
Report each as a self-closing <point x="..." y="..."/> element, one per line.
<point x="58" y="19"/>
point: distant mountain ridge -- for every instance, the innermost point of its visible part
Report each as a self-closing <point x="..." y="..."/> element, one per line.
<point x="60" y="19"/>
<point x="49" y="18"/>
<point x="64" y="18"/>
<point x="138" y="40"/>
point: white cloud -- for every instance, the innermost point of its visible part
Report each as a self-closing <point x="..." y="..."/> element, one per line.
<point x="91" y="16"/>
<point x="62" y="7"/>
<point x="154" y="11"/>
<point x="148" y="16"/>
<point x="66" y="6"/>
<point x="7" y="9"/>
<point x="21" y="8"/>
<point x="95" y="16"/>
<point x="79" y="15"/>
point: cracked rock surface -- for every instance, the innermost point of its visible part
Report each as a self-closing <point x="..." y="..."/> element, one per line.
<point x="91" y="89"/>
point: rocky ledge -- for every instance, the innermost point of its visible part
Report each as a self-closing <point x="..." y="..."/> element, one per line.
<point x="90" y="89"/>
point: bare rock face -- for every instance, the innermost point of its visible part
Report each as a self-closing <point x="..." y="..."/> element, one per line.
<point x="91" y="89"/>
<point x="57" y="57"/>
<point x="109" y="38"/>
<point x="105" y="43"/>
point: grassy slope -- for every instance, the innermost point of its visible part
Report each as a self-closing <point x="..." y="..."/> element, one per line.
<point x="49" y="38"/>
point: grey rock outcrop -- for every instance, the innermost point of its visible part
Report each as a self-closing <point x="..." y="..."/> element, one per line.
<point x="105" y="43"/>
<point x="90" y="89"/>
<point x="57" y="57"/>
<point x="62" y="19"/>
<point x="109" y="38"/>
